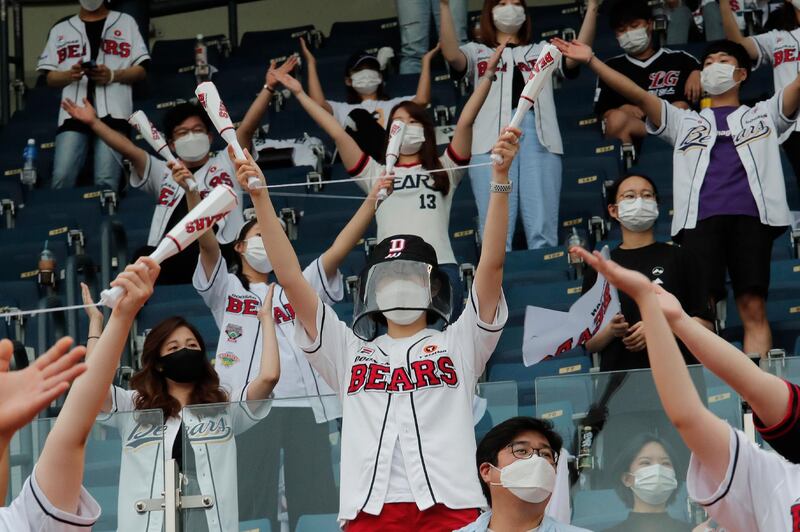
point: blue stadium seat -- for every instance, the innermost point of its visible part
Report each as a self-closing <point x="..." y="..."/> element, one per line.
<point x="317" y="523"/>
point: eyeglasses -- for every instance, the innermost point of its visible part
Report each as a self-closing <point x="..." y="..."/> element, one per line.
<point x="631" y="195"/>
<point x="524" y="451"/>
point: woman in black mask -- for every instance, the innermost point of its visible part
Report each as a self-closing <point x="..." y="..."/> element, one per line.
<point x="176" y="373"/>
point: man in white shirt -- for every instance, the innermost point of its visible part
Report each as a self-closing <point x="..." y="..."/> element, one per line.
<point x="96" y="55"/>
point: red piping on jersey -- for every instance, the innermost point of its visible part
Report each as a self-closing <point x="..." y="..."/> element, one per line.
<point x="359" y="166"/>
<point x="458" y="159"/>
<point x="407" y="165"/>
<point x="786" y="424"/>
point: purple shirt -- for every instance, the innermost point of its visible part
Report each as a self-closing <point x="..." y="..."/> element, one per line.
<point x="725" y="188"/>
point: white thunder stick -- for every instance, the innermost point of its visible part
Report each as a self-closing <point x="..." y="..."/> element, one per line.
<point x="156" y="141"/>
<point x="396" y="132"/>
<point x="212" y="209"/>
<point x="542" y="71"/>
<point x="208" y="95"/>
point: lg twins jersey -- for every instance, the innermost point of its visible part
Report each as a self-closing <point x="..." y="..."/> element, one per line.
<point x="238" y="361"/>
<point x="121" y="47"/>
<point x="416" y="392"/>
<point x="157" y="180"/>
<point x="781" y="49"/>
<point x="760" y="491"/>
<point x="414" y="206"/>
<point x="30" y="511"/>
<point x="146" y="445"/>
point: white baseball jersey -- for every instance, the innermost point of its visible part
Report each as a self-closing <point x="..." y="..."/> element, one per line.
<point x="214" y="446"/>
<point x="380" y="109"/>
<point x="122" y="47"/>
<point x="238" y="361"/>
<point x="755" y="132"/>
<point x="31" y="511"/>
<point x="407" y="409"/>
<point x="157" y="180"/>
<point x="760" y="491"/>
<point x="496" y="112"/>
<point x="781" y="49"/>
<point x="414" y="206"/>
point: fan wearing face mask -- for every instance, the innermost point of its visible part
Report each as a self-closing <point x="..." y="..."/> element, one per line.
<point x="177" y="373"/>
<point x="190" y="133"/>
<point x="421" y="200"/>
<point x="537" y="172"/>
<point x="365" y="112"/>
<point x="517" y="467"/>
<point x="778" y="48"/>
<point x="729" y="193"/>
<point x="645" y="470"/>
<point x="94" y="56"/>
<point x="633" y="203"/>
<point x="407" y="394"/>
<point x="672" y="75"/>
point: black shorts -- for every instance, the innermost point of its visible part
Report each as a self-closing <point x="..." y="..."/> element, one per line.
<point x="737" y="244"/>
<point x="784" y="436"/>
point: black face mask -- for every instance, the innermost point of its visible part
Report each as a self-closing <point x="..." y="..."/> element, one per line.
<point x="184" y="365"/>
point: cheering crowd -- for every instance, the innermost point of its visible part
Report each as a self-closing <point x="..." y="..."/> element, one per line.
<point x="401" y="378"/>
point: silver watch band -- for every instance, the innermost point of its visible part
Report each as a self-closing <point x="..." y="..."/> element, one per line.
<point x="503" y="188"/>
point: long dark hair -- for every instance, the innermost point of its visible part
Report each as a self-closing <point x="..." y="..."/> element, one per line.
<point x="622" y="464"/>
<point x="784" y="18"/>
<point x="428" y="154"/>
<point x="488" y="33"/>
<point x="236" y="257"/>
<point x="151" y="385"/>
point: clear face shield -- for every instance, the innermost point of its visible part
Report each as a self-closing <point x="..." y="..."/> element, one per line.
<point x="400" y="291"/>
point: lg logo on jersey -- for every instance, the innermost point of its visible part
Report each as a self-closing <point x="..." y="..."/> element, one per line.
<point x="381" y="378"/>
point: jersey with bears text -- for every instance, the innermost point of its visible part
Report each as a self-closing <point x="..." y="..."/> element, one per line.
<point x="235" y="310"/>
<point x="157" y="181"/>
<point x="781" y="49"/>
<point x="416" y="392"/>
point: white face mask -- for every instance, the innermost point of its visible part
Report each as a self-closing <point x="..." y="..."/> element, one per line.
<point x="637" y="214"/>
<point x="654" y="484"/>
<point x="366" y="81"/>
<point x="91" y="5"/>
<point x="256" y="255"/>
<point x="634" y="41"/>
<point x="410" y="296"/>
<point x="192" y="147"/>
<point x="531" y="479"/>
<point x="413" y="139"/>
<point x="508" y="18"/>
<point x="717" y="78"/>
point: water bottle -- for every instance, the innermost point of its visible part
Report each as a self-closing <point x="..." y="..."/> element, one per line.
<point x="29" y="164"/>
<point x="47" y="267"/>
<point x="200" y="51"/>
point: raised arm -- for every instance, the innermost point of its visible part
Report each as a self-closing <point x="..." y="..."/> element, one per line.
<point x="347" y="239"/>
<point x="247" y="128"/>
<point x="617" y="82"/>
<point x="4" y="470"/>
<point x="314" y="85"/>
<point x="706" y="435"/>
<point x="766" y="394"/>
<point x="59" y="471"/>
<point x="732" y="31"/>
<point x="348" y="149"/>
<point x="588" y="29"/>
<point x="300" y="293"/>
<point x="115" y="140"/>
<point x="449" y="40"/>
<point x="423" y="96"/>
<point x="209" y="246"/>
<point x="462" y="138"/>
<point x="261" y="387"/>
<point x="94" y="333"/>
<point x="791" y="97"/>
<point x="489" y="274"/>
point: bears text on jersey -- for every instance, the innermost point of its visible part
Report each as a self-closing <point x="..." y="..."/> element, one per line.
<point x="426" y="373"/>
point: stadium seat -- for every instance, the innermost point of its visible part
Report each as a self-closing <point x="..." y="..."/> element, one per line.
<point x="317" y="523"/>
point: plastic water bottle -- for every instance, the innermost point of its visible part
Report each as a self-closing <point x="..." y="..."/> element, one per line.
<point x="47" y="267"/>
<point x="200" y="51"/>
<point x="29" y="164"/>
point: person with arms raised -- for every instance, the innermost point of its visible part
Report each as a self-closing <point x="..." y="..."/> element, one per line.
<point x="402" y="461"/>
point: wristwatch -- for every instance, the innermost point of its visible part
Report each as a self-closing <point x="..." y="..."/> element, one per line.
<point x="503" y="188"/>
